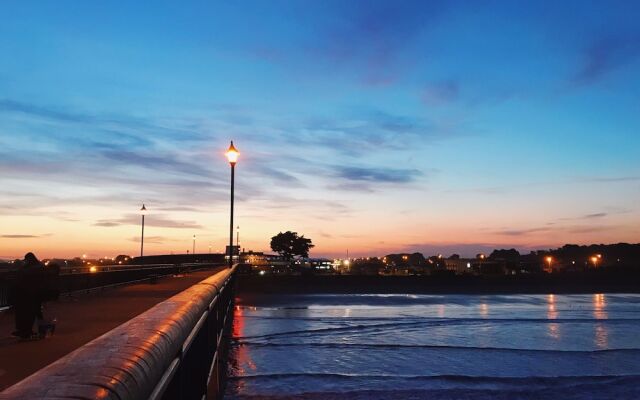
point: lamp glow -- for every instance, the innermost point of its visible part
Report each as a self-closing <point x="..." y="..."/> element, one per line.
<point x="232" y="154"/>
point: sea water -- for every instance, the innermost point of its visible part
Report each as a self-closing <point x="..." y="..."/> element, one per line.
<point x="436" y="347"/>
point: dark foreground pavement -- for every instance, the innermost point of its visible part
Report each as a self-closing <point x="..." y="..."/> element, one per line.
<point x="82" y="319"/>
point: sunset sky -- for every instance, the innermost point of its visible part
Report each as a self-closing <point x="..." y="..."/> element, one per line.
<point x="371" y="126"/>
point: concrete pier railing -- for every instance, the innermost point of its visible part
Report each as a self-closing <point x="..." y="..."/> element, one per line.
<point x="175" y="350"/>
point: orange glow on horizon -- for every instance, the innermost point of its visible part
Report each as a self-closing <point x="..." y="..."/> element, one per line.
<point x="81" y="233"/>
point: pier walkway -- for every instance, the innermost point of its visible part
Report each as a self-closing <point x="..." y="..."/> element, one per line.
<point x="83" y="318"/>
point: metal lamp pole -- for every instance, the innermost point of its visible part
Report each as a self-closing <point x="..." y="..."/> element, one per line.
<point x="194" y="245"/>
<point x="143" y="211"/>
<point x="232" y="156"/>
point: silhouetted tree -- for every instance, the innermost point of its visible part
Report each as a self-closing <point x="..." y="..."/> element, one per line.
<point x="289" y="245"/>
<point x="503" y="254"/>
<point x="405" y="259"/>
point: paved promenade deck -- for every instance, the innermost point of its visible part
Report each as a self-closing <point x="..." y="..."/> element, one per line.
<point x="82" y="319"/>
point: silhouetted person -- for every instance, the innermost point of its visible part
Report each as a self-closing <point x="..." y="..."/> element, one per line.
<point x="28" y="295"/>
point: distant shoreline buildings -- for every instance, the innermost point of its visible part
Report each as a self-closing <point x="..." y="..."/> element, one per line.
<point x="568" y="258"/>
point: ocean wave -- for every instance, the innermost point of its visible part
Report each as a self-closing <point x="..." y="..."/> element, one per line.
<point x="454" y="378"/>
<point x="580" y="392"/>
<point x="432" y="322"/>
<point x="367" y="386"/>
<point x="429" y="346"/>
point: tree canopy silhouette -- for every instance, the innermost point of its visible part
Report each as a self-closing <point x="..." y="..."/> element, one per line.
<point x="289" y="244"/>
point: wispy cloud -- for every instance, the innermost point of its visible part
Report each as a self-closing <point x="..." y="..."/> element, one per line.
<point x="112" y="123"/>
<point x="371" y="37"/>
<point x="151" y="239"/>
<point x="586" y="216"/>
<point x="23" y="236"/>
<point x="157" y="220"/>
<point x="575" y="228"/>
<point x="352" y="187"/>
<point x="377" y="174"/>
<point x="595" y="215"/>
<point x="521" y="232"/>
<point x="440" y="93"/>
<point x="606" y="54"/>
<point x="167" y="162"/>
<point x="367" y="132"/>
<point x="614" y="179"/>
<point x="277" y="175"/>
<point x="589" y="229"/>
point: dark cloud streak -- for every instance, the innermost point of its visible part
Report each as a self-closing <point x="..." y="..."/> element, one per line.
<point x="157" y="220"/>
<point x="379" y="175"/>
<point x="606" y="54"/>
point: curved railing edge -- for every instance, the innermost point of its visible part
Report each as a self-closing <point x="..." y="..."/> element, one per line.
<point x="156" y="355"/>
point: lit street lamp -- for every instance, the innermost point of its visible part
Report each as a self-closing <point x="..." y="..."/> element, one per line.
<point x="232" y="155"/>
<point x="549" y="261"/>
<point x="194" y="245"/>
<point x="238" y="237"/>
<point x="143" y="211"/>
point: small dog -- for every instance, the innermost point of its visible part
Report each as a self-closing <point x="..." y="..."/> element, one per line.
<point x="46" y="327"/>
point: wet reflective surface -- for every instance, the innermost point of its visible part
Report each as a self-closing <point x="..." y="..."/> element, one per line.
<point x="437" y="346"/>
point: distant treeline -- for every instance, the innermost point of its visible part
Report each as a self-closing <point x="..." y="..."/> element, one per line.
<point x="606" y="255"/>
<point x="570" y="257"/>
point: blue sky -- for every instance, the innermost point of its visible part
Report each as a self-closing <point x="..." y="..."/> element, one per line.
<point x="372" y="126"/>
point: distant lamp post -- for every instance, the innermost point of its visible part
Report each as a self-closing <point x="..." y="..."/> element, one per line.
<point x="143" y="211"/>
<point x="232" y="155"/>
<point x="595" y="260"/>
<point x="238" y="237"/>
<point x="549" y="260"/>
<point x="194" y="245"/>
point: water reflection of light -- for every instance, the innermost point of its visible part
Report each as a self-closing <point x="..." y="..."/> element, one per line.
<point x="240" y="360"/>
<point x="599" y="306"/>
<point x="552" y="313"/>
<point x="238" y="322"/>
<point x="347" y="313"/>
<point x="484" y="309"/>
<point x="554" y="330"/>
<point x="601" y="336"/>
<point x="441" y="310"/>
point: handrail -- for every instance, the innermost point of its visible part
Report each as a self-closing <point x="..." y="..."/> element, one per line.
<point x="83" y="280"/>
<point x="171" y="351"/>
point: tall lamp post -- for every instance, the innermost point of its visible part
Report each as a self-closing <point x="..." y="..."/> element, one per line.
<point x="238" y="237"/>
<point x="194" y="245"/>
<point x="232" y="155"/>
<point x="143" y="211"/>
